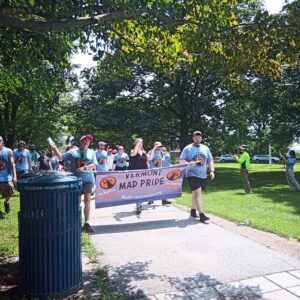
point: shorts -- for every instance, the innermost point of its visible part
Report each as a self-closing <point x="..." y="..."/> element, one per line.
<point x="120" y="168"/>
<point x="7" y="189"/>
<point x="20" y="174"/>
<point x="87" y="187"/>
<point x="196" y="183"/>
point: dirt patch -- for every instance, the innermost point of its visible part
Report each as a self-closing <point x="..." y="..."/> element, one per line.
<point x="287" y="246"/>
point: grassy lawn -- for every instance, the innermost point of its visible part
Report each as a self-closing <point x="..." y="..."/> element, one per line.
<point x="271" y="207"/>
<point x="9" y="228"/>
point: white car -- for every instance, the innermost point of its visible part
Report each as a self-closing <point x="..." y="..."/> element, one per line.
<point x="226" y="158"/>
<point x="264" y="158"/>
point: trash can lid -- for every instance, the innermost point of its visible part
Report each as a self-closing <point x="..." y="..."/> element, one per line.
<point x="49" y="177"/>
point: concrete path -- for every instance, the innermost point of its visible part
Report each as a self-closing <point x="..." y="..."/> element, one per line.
<point x="165" y="254"/>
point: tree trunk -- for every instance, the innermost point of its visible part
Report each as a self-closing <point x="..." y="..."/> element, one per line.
<point x="184" y="127"/>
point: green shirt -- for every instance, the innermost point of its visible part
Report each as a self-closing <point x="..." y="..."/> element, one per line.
<point x="244" y="160"/>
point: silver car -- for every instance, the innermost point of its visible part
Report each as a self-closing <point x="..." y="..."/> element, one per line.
<point x="226" y="158"/>
<point x="264" y="158"/>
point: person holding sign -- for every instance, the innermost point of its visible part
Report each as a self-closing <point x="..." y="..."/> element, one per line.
<point x="139" y="160"/>
<point x="101" y="156"/>
<point x="121" y="160"/>
<point x="156" y="161"/>
<point x="198" y="156"/>
<point x="83" y="162"/>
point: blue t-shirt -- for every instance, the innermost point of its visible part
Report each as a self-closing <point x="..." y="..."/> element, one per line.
<point x="22" y="158"/>
<point x="121" y="160"/>
<point x="167" y="161"/>
<point x="101" y="156"/>
<point x="79" y="159"/>
<point x="156" y="161"/>
<point x="291" y="161"/>
<point x="34" y="158"/>
<point x="54" y="163"/>
<point x="201" y="155"/>
<point x="6" y="173"/>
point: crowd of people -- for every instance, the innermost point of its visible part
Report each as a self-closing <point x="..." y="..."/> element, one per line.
<point x="83" y="162"/>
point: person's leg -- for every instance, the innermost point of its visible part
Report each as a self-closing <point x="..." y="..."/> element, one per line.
<point x="288" y="178"/>
<point x="87" y="206"/>
<point x="245" y="180"/>
<point x="294" y="183"/>
<point x="197" y="200"/>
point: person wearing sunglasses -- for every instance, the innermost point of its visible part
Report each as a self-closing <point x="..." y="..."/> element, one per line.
<point x="22" y="159"/>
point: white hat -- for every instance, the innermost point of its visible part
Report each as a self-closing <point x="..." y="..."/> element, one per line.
<point x="158" y="144"/>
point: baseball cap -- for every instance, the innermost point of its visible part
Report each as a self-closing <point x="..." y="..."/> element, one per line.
<point x="87" y="136"/>
<point x="158" y="144"/>
<point x="197" y="132"/>
<point x="163" y="149"/>
<point x="102" y="143"/>
<point x="120" y="147"/>
<point x="244" y="147"/>
<point x="1" y="138"/>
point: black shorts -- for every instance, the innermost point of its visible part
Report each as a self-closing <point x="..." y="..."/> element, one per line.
<point x="121" y="169"/>
<point x="196" y="183"/>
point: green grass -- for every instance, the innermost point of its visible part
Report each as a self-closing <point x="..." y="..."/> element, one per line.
<point x="271" y="207"/>
<point x="9" y="228"/>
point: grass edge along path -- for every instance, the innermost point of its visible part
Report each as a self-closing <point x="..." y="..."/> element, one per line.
<point x="271" y="207"/>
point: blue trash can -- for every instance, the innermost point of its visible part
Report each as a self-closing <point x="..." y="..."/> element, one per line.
<point x="50" y="235"/>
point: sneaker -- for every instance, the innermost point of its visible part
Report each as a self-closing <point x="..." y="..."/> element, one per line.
<point x="7" y="207"/>
<point x="165" y="202"/>
<point x="150" y="202"/>
<point x="138" y="210"/>
<point x="88" y="228"/>
<point x="194" y="213"/>
<point x="1" y="215"/>
<point x="203" y="218"/>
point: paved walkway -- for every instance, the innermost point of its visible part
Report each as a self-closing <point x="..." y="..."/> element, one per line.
<point x="165" y="254"/>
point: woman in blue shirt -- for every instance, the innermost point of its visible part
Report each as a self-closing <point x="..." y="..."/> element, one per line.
<point x="290" y="173"/>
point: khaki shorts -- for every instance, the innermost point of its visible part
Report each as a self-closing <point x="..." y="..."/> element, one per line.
<point x="7" y="189"/>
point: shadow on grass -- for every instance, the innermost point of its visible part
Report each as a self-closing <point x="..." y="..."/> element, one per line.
<point x="131" y="278"/>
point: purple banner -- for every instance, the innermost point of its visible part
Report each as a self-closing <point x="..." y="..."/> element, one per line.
<point x="120" y="188"/>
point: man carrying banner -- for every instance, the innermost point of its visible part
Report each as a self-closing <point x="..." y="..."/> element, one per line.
<point x="82" y="163"/>
<point x="198" y="156"/>
<point x="156" y="161"/>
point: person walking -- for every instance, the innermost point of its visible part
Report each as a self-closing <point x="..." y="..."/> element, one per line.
<point x="22" y="159"/>
<point x="156" y="161"/>
<point x="290" y="173"/>
<point x="34" y="157"/>
<point x="167" y="158"/>
<point x="244" y="161"/>
<point x="198" y="157"/>
<point x="44" y="162"/>
<point x="138" y="160"/>
<point x="54" y="161"/>
<point x="83" y="163"/>
<point x="101" y="156"/>
<point x="8" y="175"/>
<point x="110" y="159"/>
<point x="121" y="160"/>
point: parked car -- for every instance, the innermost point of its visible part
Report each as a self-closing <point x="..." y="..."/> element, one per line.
<point x="264" y="158"/>
<point x="226" y="158"/>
